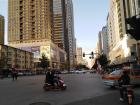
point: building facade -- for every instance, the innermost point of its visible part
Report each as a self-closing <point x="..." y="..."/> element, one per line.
<point x="103" y="41"/>
<point x="2" y="29"/>
<point x="55" y="55"/>
<point x="63" y="26"/>
<point x="11" y="57"/>
<point x="79" y="55"/>
<point x="29" y="21"/>
<point x="35" y="26"/>
<point x="59" y="26"/>
<point x="70" y="38"/>
<point x="104" y="38"/>
<point x="122" y="47"/>
<point x="100" y="42"/>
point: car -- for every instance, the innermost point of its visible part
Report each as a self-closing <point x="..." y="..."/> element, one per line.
<point x="64" y="72"/>
<point x="111" y="79"/>
<point x="93" y="71"/>
<point x="20" y="74"/>
<point x="80" y="71"/>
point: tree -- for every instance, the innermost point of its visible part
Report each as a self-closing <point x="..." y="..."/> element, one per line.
<point x="44" y="62"/>
<point x="95" y="66"/>
<point x="103" y="61"/>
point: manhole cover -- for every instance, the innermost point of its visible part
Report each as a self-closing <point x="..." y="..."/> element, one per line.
<point x="40" y="103"/>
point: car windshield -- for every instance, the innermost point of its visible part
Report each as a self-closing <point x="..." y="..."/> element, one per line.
<point x="117" y="72"/>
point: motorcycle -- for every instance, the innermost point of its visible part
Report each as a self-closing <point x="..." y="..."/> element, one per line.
<point x="57" y="86"/>
<point x="128" y="94"/>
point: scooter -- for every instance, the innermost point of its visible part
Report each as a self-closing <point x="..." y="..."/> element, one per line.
<point x="60" y="85"/>
<point x="128" y="94"/>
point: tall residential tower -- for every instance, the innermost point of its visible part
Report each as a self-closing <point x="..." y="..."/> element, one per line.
<point x="30" y="27"/>
<point x="29" y="21"/>
<point x="1" y="29"/>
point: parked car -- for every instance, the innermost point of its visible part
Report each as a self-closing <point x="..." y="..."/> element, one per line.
<point x="64" y="72"/>
<point x="112" y="78"/>
<point x="80" y="71"/>
<point x="20" y="74"/>
<point x="93" y="71"/>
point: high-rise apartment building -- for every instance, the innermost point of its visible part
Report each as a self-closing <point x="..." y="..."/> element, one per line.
<point x="30" y="27"/>
<point x="63" y="28"/>
<point x="100" y="42"/>
<point x="59" y="26"/>
<point x="29" y="21"/>
<point x="70" y="42"/>
<point x="2" y="29"/>
<point x="104" y="41"/>
<point x="121" y="45"/>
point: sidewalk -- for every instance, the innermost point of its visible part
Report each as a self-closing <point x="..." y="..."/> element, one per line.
<point x="109" y="99"/>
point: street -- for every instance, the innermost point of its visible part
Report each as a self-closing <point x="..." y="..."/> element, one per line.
<point x="28" y="89"/>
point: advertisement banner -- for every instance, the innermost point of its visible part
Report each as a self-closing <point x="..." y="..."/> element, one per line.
<point x="36" y="51"/>
<point x="45" y="50"/>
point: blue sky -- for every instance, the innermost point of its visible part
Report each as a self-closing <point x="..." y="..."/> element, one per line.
<point x="89" y="18"/>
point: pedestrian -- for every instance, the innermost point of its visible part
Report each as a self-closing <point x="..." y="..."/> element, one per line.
<point x="14" y="74"/>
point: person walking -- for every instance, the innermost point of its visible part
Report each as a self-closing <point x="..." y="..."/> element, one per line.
<point x="14" y="74"/>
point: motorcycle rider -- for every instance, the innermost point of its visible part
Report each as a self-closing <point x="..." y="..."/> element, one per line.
<point x="51" y="78"/>
<point x="123" y="80"/>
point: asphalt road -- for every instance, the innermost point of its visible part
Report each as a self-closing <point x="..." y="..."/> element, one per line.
<point x="28" y="90"/>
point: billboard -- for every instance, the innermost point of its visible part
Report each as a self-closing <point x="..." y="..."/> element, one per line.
<point x="36" y="51"/>
<point x="45" y="50"/>
<point x="26" y="49"/>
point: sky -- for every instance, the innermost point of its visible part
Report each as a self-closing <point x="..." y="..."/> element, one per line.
<point x="89" y="18"/>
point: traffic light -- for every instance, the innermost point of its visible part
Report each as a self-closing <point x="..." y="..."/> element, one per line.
<point x="134" y="30"/>
<point x="83" y="54"/>
<point x="92" y="53"/>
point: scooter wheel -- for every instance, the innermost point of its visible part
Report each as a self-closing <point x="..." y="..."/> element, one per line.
<point x="64" y="88"/>
<point x="130" y="100"/>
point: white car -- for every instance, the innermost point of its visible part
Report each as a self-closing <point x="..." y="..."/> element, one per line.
<point x="80" y="71"/>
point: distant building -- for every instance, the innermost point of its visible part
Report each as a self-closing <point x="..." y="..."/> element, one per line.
<point x="79" y="55"/>
<point x="70" y="40"/>
<point x="59" y="23"/>
<point x="103" y="41"/>
<point x="100" y="42"/>
<point x="2" y="29"/>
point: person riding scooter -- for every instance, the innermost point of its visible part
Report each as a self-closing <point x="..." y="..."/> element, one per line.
<point x="124" y="80"/>
<point x="51" y="78"/>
